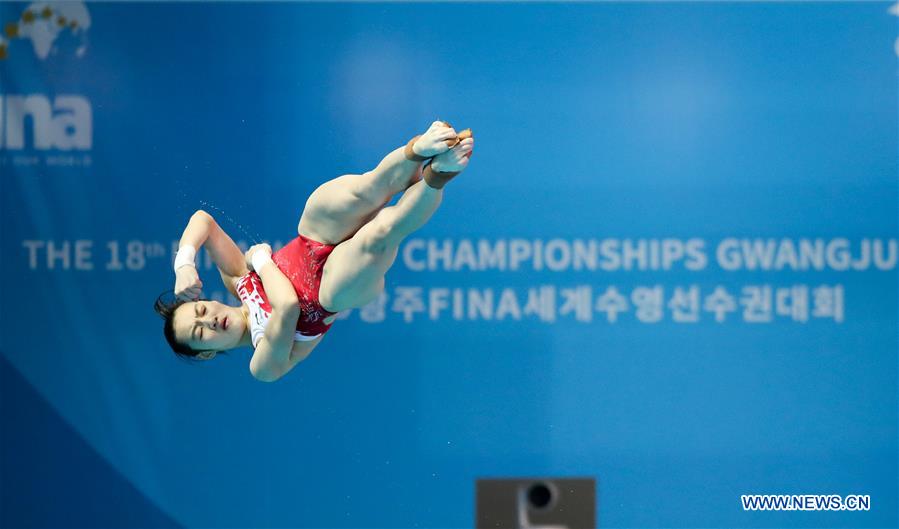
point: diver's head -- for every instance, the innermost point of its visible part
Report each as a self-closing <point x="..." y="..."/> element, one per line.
<point x="199" y="330"/>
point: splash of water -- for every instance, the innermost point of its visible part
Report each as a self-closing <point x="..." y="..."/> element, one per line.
<point x="255" y="239"/>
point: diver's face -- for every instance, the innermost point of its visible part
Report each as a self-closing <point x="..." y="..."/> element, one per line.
<point x="208" y="326"/>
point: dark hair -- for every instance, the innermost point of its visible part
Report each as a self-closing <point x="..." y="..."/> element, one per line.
<point x="166" y="308"/>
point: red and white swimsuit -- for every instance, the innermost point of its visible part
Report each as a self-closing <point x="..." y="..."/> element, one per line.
<point x="302" y="260"/>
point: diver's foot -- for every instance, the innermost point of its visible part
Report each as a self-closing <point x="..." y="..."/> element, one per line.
<point x="439" y="137"/>
<point x="447" y="165"/>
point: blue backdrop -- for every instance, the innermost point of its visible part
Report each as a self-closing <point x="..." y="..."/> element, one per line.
<point x="671" y="265"/>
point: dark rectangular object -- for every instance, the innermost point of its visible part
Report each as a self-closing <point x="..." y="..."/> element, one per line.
<point x="535" y="503"/>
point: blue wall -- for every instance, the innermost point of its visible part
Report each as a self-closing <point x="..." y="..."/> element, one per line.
<point x="725" y="129"/>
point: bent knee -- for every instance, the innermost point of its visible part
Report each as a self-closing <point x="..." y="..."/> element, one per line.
<point x="380" y="235"/>
<point x="369" y="191"/>
<point x="377" y="239"/>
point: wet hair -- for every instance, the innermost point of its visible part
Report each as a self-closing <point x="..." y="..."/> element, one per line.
<point x="166" y="305"/>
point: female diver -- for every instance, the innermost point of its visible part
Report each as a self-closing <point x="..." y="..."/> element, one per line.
<point x="347" y="240"/>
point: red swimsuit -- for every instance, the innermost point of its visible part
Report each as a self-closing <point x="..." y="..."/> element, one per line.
<point x="302" y="260"/>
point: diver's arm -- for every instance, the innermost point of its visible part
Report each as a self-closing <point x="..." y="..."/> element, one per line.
<point x="299" y="351"/>
<point x="203" y="230"/>
<point x="271" y="359"/>
<point x="272" y="355"/>
<point x="278" y="289"/>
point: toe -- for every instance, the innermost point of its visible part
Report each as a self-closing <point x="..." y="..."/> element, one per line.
<point x="465" y="146"/>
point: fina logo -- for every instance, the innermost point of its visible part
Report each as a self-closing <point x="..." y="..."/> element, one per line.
<point x="36" y="121"/>
<point x="66" y="125"/>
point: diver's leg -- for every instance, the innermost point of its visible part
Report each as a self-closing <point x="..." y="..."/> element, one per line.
<point x="354" y="272"/>
<point x="339" y="207"/>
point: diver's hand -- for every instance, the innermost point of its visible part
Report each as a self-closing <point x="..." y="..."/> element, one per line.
<point x="187" y="283"/>
<point x="248" y="256"/>
<point x="438" y="138"/>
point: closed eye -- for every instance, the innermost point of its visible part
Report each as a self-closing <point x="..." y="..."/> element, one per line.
<point x="193" y="329"/>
